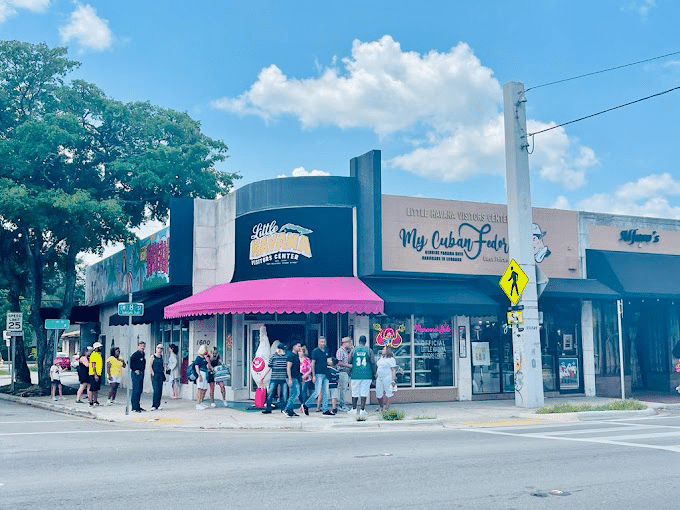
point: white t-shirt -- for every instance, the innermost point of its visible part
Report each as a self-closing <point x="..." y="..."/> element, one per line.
<point x="55" y="372"/>
<point x="385" y="366"/>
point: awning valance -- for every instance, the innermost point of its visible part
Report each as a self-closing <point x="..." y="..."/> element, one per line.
<point x="578" y="288"/>
<point x="281" y="295"/>
<point x="153" y="308"/>
<point x="636" y="274"/>
<point x="404" y="296"/>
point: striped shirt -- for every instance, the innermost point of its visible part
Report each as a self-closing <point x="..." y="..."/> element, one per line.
<point x="279" y="364"/>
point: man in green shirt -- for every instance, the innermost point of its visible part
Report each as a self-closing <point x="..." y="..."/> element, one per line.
<point x="363" y="363"/>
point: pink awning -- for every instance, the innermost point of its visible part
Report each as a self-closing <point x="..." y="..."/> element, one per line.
<point x="281" y="295"/>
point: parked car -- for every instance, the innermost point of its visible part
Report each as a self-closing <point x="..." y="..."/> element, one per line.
<point x="63" y="360"/>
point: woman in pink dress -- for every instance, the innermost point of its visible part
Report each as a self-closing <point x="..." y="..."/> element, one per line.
<point x="306" y="371"/>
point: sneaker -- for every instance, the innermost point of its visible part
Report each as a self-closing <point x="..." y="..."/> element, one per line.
<point x="363" y="412"/>
<point x="80" y="401"/>
<point x="334" y="411"/>
<point x="225" y="403"/>
<point x="213" y="404"/>
<point x="305" y="409"/>
<point x="62" y="398"/>
<point x="291" y="414"/>
<point x="154" y="408"/>
<point x="328" y="413"/>
<point x="141" y="409"/>
<point x="352" y="411"/>
<point x="201" y="406"/>
<point x="267" y="411"/>
<point x="137" y="410"/>
<point x="55" y="399"/>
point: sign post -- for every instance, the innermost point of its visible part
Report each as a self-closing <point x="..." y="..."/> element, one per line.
<point x="15" y="327"/>
<point x="58" y="325"/>
<point x="130" y="310"/>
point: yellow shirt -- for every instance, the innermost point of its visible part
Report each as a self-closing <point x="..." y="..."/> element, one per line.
<point x="95" y="363"/>
<point x="116" y="366"/>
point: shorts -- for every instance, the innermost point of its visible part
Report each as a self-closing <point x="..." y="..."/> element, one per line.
<point x="360" y="387"/>
<point x="211" y="377"/>
<point x="334" y="393"/>
<point x="116" y="380"/>
<point x="56" y="383"/>
<point x="203" y="383"/>
<point x="383" y="386"/>
<point x="95" y="384"/>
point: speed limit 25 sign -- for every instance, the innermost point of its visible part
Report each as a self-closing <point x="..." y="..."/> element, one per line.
<point x="14" y="322"/>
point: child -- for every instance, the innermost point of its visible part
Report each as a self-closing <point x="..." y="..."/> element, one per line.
<point x="55" y="377"/>
<point x="333" y="376"/>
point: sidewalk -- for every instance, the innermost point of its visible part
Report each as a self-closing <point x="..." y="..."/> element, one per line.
<point x="488" y="413"/>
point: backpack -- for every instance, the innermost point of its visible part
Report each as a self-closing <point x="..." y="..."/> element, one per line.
<point x="191" y="373"/>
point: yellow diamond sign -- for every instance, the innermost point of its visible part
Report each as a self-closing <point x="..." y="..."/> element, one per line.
<point x="513" y="281"/>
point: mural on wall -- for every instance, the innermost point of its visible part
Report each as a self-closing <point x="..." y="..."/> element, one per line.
<point x="140" y="266"/>
<point x="449" y="236"/>
<point x="388" y="336"/>
<point x="293" y="242"/>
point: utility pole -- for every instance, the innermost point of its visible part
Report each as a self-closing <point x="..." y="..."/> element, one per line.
<point x="526" y="340"/>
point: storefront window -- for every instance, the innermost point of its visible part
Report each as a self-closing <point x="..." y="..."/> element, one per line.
<point x="606" y="338"/>
<point x="433" y="351"/>
<point x="490" y="341"/>
<point x="395" y="331"/>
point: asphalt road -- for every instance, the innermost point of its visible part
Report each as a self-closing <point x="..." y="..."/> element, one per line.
<point x="55" y="461"/>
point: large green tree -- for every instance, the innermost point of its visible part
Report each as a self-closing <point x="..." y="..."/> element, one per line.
<point x="80" y="169"/>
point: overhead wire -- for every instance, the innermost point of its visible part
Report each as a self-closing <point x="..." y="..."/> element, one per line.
<point x="604" y="111"/>
<point x="603" y="70"/>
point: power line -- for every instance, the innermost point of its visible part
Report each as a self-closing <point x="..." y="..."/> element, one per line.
<point x="603" y="70"/>
<point x="604" y="111"/>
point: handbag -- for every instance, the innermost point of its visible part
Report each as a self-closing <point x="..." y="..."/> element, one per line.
<point x="677" y="366"/>
<point x="167" y="371"/>
<point x="221" y="373"/>
<point x="260" y="397"/>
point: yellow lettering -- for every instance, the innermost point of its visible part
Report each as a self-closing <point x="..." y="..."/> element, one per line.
<point x="304" y="248"/>
<point x="280" y="244"/>
<point x="292" y="241"/>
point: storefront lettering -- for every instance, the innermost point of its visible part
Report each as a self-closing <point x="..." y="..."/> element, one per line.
<point x="271" y="243"/>
<point x="157" y="256"/>
<point x="633" y="237"/>
<point x="443" y="328"/>
<point x="471" y="240"/>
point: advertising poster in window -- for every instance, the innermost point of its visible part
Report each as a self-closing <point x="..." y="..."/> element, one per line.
<point x="569" y="375"/>
<point x="480" y="354"/>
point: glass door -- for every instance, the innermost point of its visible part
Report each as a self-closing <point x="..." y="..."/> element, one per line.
<point x="252" y="335"/>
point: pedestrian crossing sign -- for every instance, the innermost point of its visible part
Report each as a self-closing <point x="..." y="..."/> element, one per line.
<point x="513" y="281"/>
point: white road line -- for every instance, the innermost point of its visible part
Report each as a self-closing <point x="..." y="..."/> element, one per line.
<point x="670" y="448"/>
<point x="36" y="421"/>
<point x="75" y="432"/>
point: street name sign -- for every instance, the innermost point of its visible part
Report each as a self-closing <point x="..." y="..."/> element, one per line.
<point x="513" y="281"/>
<point x="15" y="322"/>
<point x="57" y="323"/>
<point x="131" y="309"/>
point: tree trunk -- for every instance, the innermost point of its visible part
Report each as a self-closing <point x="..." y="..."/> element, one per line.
<point x="19" y="357"/>
<point x="44" y="344"/>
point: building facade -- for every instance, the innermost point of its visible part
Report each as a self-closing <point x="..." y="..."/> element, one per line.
<point x="298" y="258"/>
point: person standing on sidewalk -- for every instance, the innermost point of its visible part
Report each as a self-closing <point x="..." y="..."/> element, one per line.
<point x="319" y="364"/>
<point x="96" y="366"/>
<point x="363" y="361"/>
<point x="306" y="374"/>
<point x="278" y="366"/>
<point x="216" y="361"/>
<point x="114" y="373"/>
<point x="83" y="375"/>
<point x="386" y="375"/>
<point x="294" y="383"/>
<point x="173" y="370"/>
<point x="157" y="371"/>
<point x="55" y="378"/>
<point x="344" y="357"/>
<point x="201" y="366"/>
<point x="137" y="366"/>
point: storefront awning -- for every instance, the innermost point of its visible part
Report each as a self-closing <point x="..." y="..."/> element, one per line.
<point x="405" y="296"/>
<point x="153" y="308"/>
<point x="636" y="274"/>
<point x="281" y="295"/>
<point x="578" y="288"/>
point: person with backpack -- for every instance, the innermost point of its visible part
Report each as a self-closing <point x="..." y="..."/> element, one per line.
<point x="201" y="367"/>
<point x="363" y="363"/>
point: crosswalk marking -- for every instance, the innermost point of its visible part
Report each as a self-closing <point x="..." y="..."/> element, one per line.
<point x="619" y="433"/>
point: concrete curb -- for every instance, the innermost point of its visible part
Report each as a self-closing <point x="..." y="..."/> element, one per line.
<point x="48" y="406"/>
<point x="388" y="424"/>
<point x="603" y="415"/>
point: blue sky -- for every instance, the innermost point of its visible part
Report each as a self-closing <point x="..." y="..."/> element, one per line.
<point x="302" y="87"/>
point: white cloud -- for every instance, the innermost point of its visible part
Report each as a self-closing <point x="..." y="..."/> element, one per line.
<point x="10" y="8"/>
<point x="561" y="202"/>
<point x="300" y="171"/>
<point x="640" y="7"/>
<point x="648" y="196"/>
<point x="450" y="96"/>
<point x="89" y="30"/>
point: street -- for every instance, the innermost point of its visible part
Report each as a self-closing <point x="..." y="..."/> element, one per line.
<point x="53" y="460"/>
